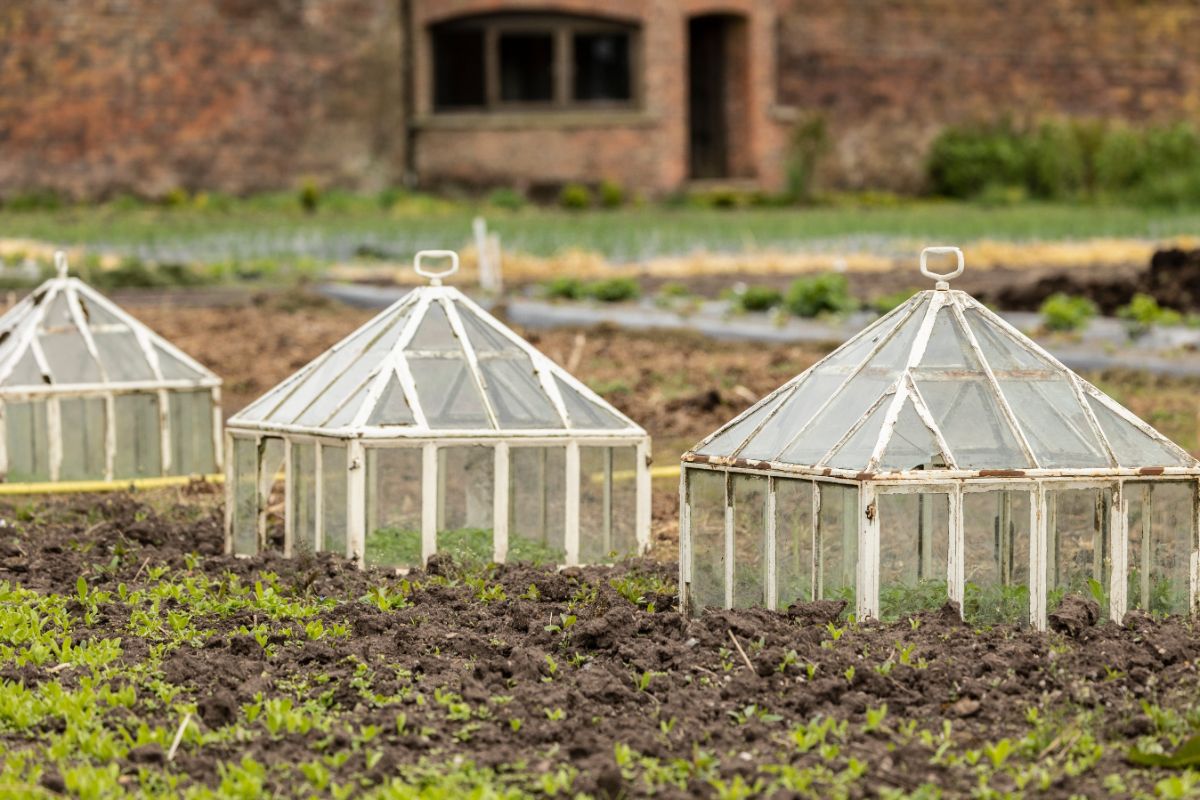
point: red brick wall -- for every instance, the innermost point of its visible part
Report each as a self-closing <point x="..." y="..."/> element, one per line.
<point x="888" y="74"/>
<point x="106" y="96"/>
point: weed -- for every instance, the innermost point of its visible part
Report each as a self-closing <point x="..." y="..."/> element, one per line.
<point x="1062" y="312"/>
<point x="821" y="294"/>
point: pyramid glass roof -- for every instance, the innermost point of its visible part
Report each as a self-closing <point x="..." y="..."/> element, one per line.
<point x="434" y="364"/>
<point x="941" y="383"/>
<point x="66" y="336"/>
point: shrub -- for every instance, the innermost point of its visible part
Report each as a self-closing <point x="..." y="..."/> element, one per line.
<point x="611" y="194"/>
<point x="563" y="288"/>
<point x="1063" y="312"/>
<point x="507" y="198"/>
<point x="36" y="200"/>
<point x="575" y="197"/>
<point x="1143" y="311"/>
<point x="964" y="160"/>
<point x="177" y="198"/>
<point x="808" y="141"/>
<point x="758" y="298"/>
<point x="614" y="290"/>
<point x="827" y="293"/>
<point x="309" y="196"/>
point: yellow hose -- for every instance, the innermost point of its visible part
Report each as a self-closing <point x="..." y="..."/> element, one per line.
<point x="68" y="487"/>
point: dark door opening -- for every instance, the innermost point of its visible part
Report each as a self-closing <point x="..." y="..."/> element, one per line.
<point x="716" y="90"/>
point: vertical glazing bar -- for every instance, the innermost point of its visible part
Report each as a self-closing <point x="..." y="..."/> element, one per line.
<point x="164" y="432"/>
<point x="1039" y="556"/>
<point x="867" y="590"/>
<point x="230" y="498"/>
<point x="319" y="502"/>
<point x="262" y="498"/>
<point x="500" y="504"/>
<point x="1147" y="548"/>
<point x="644" y="494"/>
<point x="429" y="501"/>
<point x="956" y="553"/>
<point x="1119" y="542"/>
<point x="289" y="493"/>
<point x="54" y="431"/>
<point x="1004" y="525"/>
<point x="572" y="533"/>
<point x="1051" y="544"/>
<point x="356" y="502"/>
<point x="218" y="450"/>
<point x="729" y="551"/>
<point x="818" y="555"/>
<point x="685" y="544"/>
<point x="769" y="579"/>
<point x="110" y="437"/>
<point x="606" y="506"/>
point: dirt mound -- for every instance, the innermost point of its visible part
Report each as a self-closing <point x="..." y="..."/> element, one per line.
<point x="1075" y="615"/>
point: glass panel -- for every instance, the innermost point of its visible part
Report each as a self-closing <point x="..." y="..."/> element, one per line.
<point x="796" y="411"/>
<point x="344" y="414"/>
<point x="996" y="557"/>
<point x="607" y="503"/>
<point x="139" y="438"/>
<point x="1132" y="447"/>
<point x="1001" y="352"/>
<point x="466" y="483"/>
<point x="537" y="481"/>
<point x="749" y="495"/>
<point x="706" y="511"/>
<point x="448" y="393"/>
<point x="914" y="546"/>
<point x="586" y="413"/>
<point x="68" y="357"/>
<point x="122" y="357"/>
<point x="1161" y="532"/>
<point x="1077" y="558"/>
<point x="26" y="372"/>
<point x="856" y="451"/>
<point x="333" y="498"/>
<point x="245" y="496"/>
<point x="326" y="405"/>
<point x="602" y="66"/>
<point x="83" y="442"/>
<point x="191" y="419"/>
<point x="847" y="407"/>
<point x="28" y="442"/>
<point x="58" y="313"/>
<point x="1054" y="423"/>
<point x="516" y="395"/>
<point x="727" y="442"/>
<point x="793" y="542"/>
<point x="434" y="334"/>
<point x="485" y="339"/>
<point x="948" y="347"/>
<point x="912" y="445"/>
<point x="172" y="368"/>
<point x="392" y="407"/>
<point x="837" y="532"/>
<point x="970" y="419"/>
<point x="304" y="497"/>
<point x="854" y="352"/>
<point x="393" y="507"/>
<point x="271" y="489"/>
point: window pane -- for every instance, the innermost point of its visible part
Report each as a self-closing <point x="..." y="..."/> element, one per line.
<point x="706" y="508"/>
<point x="793" y="542"/>
<point x="537" y="480"/>
<point x="466" y="482"/>
<point x="526" y="67"/>
<point x="123" y="357"/>
<point x="837" y="524"/>
<point x="393" y="507"/>
<point x="914" y="545"/>
<point x="333" y="498"/>
<point x="607" y="503"/>
<point x="28" y="442"/>
<point x="1160" y="546"/>
<point x="304" y="497"/>
<point x="83" y="441"/>
<point x="1077" y="553"/>
<point x="458" y="69"/>
<point x="602" y="66"/>
<point x="749" y="540"/>
<point x="516" y="394"/>
<point x="245" y="497"/>
<point x="139" y="440"/>
<point x="996" y="557"/>
<point x="191" y="416"/>
<point x="271" y="489"/>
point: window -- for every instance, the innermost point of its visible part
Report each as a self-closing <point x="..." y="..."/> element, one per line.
<point x="532" y="62"/>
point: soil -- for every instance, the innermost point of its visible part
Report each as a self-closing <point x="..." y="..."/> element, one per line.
<point x="449" y="640"/>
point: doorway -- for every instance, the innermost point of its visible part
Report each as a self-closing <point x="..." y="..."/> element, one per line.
<point x="717" y="59"/>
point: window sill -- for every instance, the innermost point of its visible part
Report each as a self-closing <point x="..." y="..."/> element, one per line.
<point x="522" y="120"/>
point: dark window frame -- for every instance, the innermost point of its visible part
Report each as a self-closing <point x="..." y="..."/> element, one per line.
<point x="563" y="28"/>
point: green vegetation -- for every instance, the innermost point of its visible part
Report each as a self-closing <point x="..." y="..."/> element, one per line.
<point x="1079" y="159"/>
<point x="900" y="600"/>
<point x="828" y="293"/>
<point x="757" y="298"/>
<point x="1143" y="312"/>
<point x="994" y="604"/>
<point x="808" y="142"/>
<point x="575" y="197"/>
<point x="1063" y="312"/>
<point x="395" y="547"/>
<point x="608" y="290"/>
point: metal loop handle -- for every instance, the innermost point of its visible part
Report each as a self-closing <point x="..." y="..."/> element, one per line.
<point x="60" y="263"/>
<point x="435" y="276"/>
<point x="939" y="277"/>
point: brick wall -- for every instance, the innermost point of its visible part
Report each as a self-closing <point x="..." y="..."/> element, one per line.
<point x="99" y="97"/>
<point x="888" y="74"/>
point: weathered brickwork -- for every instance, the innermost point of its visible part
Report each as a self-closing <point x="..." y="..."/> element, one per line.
<point x="99" y="97"/>
<point x="889" y="74"/>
